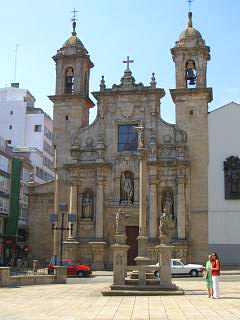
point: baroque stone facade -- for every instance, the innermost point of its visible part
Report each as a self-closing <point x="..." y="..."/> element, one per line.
<point x="97" y="165"/>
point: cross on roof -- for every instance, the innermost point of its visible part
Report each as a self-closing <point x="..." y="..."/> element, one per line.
<point x="190" y="3"/>
<point x="128" y="62"/>
<point x="74" y="19"/>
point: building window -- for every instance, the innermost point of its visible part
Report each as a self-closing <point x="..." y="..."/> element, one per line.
<point x="3" y="205"/>
<point x="66" y="118"/>
<point x="10" y="127"/>
<point x="37" y="128"/>
<point x="4" y="184"/>
<point x="3" y="163"/>
<point x="11" y="112"/>
<point x="48" y="133"/>
<point x="47" y="148"/>
<point x="9" y="141"/>
<point x="127" y="138"/>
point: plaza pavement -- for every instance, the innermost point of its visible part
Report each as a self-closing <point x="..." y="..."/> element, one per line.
<point x="81" y="299"/>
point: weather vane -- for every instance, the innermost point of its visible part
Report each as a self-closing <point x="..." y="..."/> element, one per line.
<point x="190" y="4"/>
<point x="74" y="19"/>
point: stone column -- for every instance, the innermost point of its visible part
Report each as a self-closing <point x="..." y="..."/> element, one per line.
<point x="165" y="253"/>
<point x="181" y="207"/>
<point x="73" y="209"/>
<point x="98" y="255"/>
<point x="153" y="212"/>
<point x="119" y="263"/>
<point x="142" y="194"/>
<point x="142" y="258"/>
<point x="99" y="207"/>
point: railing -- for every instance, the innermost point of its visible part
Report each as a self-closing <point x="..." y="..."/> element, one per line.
<point x="35" y="270"/>
<point x="26" y="271"/>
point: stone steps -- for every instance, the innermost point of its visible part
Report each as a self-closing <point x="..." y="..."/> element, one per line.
<point x="141" y="291"/>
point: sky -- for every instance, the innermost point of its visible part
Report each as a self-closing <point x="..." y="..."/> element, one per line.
<point x="111" y="30"/>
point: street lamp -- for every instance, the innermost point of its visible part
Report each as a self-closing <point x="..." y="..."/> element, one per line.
<point x="63" y="208"/>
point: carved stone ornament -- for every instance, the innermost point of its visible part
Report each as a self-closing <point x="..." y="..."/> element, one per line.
<point x="127" y="109"/>
<point x="76" y="141"/>
<point x="232" y="178"/>
<point x="180" y="136"/>
<point x="167" y="138"/>
<point x="89" y="141"/>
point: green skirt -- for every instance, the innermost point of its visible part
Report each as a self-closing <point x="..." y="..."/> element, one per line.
<point x="209" y="281"/>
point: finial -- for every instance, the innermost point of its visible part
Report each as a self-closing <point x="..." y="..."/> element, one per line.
<point x="102" y="84"/>
<point x="190" y="13"/>
<point x="190" y="19"/>
<point x="153" y="82"/>
<point x="74" y="19"/>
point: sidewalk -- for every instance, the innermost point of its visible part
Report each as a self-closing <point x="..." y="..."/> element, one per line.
<point x="84" y="302"/>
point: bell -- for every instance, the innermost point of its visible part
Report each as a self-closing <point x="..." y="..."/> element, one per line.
<point x="191" y="76"/>
<point x="192" y="82"/>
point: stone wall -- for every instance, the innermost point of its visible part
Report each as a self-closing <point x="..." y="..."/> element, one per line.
<point x="12" y="281"/>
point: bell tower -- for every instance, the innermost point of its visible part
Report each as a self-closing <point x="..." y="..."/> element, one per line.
<point x="191" y="98"/>
<point x="190" y="55"/>
<point x="71" y="99"/>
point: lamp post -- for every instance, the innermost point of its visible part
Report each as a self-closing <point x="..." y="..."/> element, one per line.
<point x="63" y="208"/>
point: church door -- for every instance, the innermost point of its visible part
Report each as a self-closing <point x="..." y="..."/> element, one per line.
<point x="132" y="234"/>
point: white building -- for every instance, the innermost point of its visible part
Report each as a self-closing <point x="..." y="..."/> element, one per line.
<point x="27" y="129"/>
<point x="224" y="207"/>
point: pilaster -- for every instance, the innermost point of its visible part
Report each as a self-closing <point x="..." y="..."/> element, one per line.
<point x="73" y="210"/>
<point x="181" y="205"/>
<point x="100" y="206"/>
<point x="153" y="195"/>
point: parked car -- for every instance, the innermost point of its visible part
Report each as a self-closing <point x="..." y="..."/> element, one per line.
<point x="80" y="270"/>
<point x="178" y="267"/>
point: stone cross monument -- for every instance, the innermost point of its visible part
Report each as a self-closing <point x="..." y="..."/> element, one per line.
<point x="142" y="258"/>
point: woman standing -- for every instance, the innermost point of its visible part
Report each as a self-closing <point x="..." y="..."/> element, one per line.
<point x="208" y="270"/>
<point x="215" y="275"/>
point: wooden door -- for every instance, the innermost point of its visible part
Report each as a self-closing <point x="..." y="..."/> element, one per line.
<point x="132" y="234"/>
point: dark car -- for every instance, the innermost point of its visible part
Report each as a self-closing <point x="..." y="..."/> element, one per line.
<point x="80" y="270"/>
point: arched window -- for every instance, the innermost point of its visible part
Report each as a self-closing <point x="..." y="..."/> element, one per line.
<point x="69" y="81"/>
<point x="190" y="75"/>
<point x="127" y="188"/>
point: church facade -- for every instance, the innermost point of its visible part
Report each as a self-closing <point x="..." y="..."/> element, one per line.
<point x="97" y="165"/>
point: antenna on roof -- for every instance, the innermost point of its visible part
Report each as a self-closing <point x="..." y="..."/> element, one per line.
<point x="15" y="64"/>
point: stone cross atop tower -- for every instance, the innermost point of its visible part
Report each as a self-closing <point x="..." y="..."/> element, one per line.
<point x="128" y="62"/>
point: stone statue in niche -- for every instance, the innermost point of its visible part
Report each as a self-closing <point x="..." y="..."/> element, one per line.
<point x="167" y="203"/>
<point x="87" y="206"/>
<point x="127" y="188"/>
<point x="232" y="177"/>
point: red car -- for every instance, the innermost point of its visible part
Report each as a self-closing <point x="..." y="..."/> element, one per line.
<point x="80" y="270"/>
